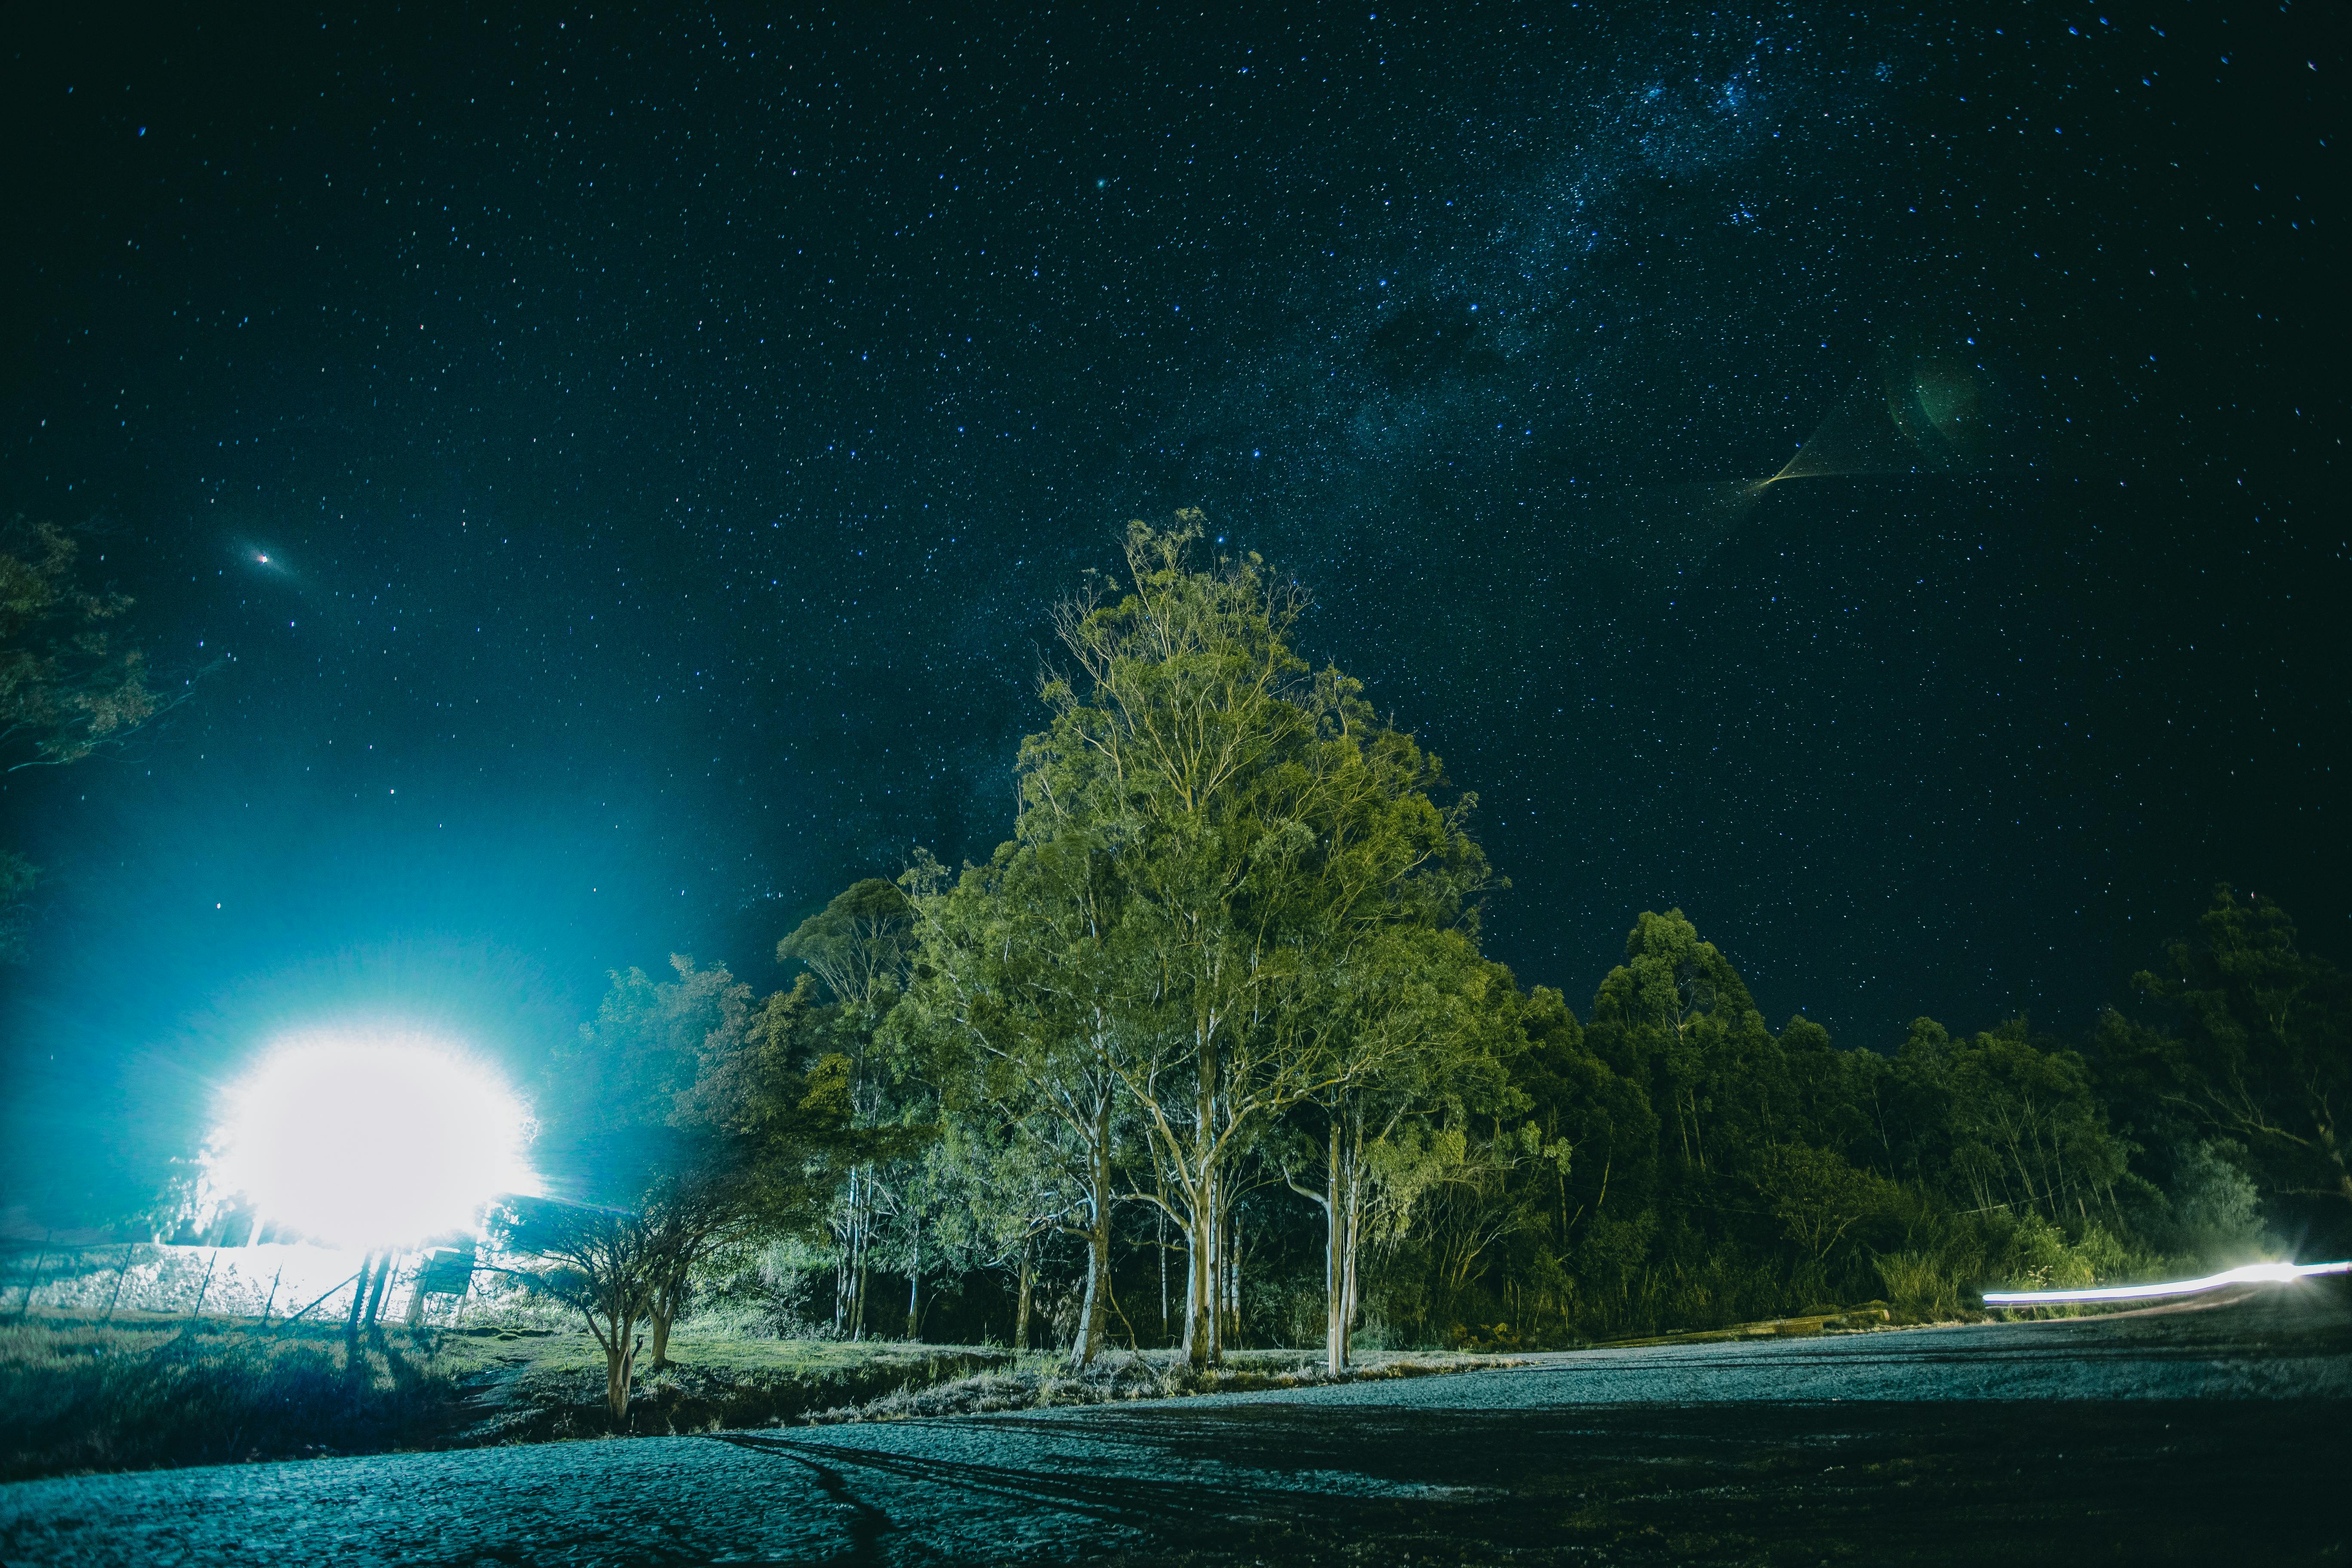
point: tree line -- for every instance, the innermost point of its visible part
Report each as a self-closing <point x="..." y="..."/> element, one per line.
<point x="1208" y="1054"/>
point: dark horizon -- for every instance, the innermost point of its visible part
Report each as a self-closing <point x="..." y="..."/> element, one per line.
<point x="666" y="441"/>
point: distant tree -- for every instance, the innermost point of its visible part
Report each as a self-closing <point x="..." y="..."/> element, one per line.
<point x="1421" y="1029"/>
<point x="1600" y="1141"/>
<point x="2253" y="1048"/>
<point x="1676" y="1018"/>
<point x="2019" y="1125"/>
<point x="612" y="1091"/>
<point x="1819" y="1197"/>
<point x="858" y="947"/>
<point x="682" y="1122"/>
<point x="1444" y="1207"/>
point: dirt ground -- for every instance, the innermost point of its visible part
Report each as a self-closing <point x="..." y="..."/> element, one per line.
<point x="2207" y="1435"/>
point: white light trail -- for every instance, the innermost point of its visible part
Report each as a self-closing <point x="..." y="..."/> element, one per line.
<point x="2252" y="1273"/>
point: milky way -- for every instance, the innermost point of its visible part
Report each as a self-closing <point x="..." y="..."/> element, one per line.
<point x="666" y="438"/>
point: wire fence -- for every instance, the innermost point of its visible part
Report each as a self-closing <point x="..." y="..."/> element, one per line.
<point x="268" y="1283"/>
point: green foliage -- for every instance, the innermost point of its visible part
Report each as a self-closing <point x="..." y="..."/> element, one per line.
<point x="1221" y="994"/>
<point x="2017" y="1123"/>
<point x="2251" y="1045"/>
<point x="67" y="688"/>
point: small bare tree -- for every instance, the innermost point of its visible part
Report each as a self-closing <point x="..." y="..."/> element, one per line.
<point x="604" y="1264"/>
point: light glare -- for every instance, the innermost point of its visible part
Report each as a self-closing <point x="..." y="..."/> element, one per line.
<point x="2276" y="1273"/>
<point x="371" y="1141"/>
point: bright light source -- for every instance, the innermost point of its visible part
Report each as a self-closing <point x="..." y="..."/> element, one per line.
<point x="371" y="1138"/>
<point x="2276" y="1273"/>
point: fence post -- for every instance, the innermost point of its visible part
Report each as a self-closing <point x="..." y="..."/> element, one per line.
<point x="207" y="1284"/>
<point x="129" y="1248"/>
<point x="33" y="1280"/>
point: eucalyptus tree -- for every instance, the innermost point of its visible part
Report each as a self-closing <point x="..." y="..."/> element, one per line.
<point x="1422" y="1031"/>
<point x="1676" y="1018"/>
<point x="1026" y="976"/>
<point x="858" y="947"/>
<point x="1260" y="837"/>
<point x="2020" y="1127"/>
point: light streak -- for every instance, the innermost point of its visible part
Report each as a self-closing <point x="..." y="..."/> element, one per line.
<point x="2252" y="1273"/>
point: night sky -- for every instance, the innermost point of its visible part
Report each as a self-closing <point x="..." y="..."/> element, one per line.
<point x="666" y="433"/>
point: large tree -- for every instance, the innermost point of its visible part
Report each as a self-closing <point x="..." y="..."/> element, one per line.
<point x="1263" y="838"/>
<point x="1025" y="977"/>
<point x="2017" y="1124"/>
<point x="1422" y="1028"/>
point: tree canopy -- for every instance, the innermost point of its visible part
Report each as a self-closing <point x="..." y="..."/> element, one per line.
<point x="1214" y="1032"/>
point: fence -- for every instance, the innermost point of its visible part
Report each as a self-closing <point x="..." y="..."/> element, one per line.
<point x="269" y="1281"/>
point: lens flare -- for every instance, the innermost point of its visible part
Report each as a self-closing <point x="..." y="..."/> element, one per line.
<point x="370" y="1138"/>
<point x="2252" y="1273"/>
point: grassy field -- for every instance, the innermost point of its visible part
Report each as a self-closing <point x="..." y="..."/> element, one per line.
<point x="148" y="1389"/>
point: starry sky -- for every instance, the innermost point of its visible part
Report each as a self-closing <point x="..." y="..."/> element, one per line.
<point x="613" y="468"/>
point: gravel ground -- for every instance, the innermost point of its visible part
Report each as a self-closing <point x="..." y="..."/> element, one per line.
<point x="2163" y="1436"/>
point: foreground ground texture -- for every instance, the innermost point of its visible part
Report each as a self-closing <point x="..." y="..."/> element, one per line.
<point x="2217" y="1432"/>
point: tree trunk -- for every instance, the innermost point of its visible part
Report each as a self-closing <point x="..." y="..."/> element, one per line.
<point x="861" y="1226"/>
<point x="1204" y="1277"/>
<point x="842" y="1267"/>
<point x="915" y="1286"/>
<point x="1337" y="1249"/>
<point x="1021" y="1312"/>
<point x="1191" y="1293"/>
<point x="1093" y="1311"/>
<point x="618" y="1335"/>
<point x="620" y="1362"/>
<point x="1232" y="1335"/>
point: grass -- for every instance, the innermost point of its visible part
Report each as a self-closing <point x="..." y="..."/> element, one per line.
<point x="527" y="1387"/>
<point x="149" y="1390"/>
<point x="1039" y="1382"/>
<point x="1869" y="1318"/>
<point x="146" y="1391"/>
